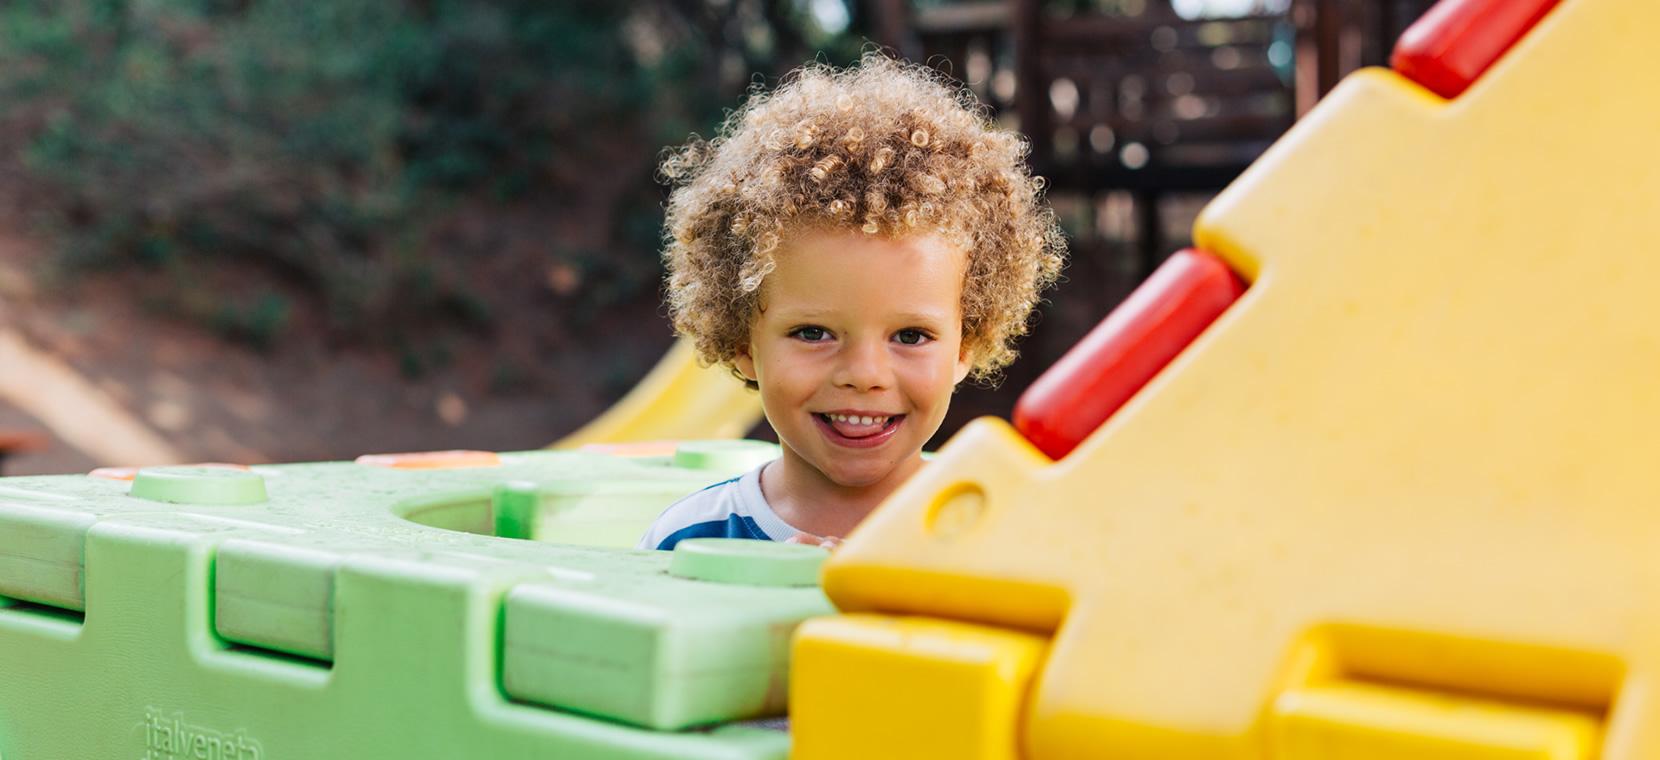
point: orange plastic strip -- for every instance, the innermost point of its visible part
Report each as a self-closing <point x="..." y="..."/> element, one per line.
<point x="633" y="448"/>
<point x="432" y="460"/>
<point x="128" y="473"/>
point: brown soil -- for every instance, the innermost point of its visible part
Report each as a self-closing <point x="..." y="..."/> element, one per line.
<point x="213" y="399"/>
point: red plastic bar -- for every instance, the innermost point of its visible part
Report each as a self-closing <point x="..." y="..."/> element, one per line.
<point x="1125" y="351"/>
<point x="1457" y="40"/>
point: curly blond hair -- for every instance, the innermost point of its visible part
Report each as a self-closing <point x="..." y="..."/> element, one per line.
<point x="882" y="146"/>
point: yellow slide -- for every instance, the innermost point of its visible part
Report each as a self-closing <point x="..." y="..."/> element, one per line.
<point x="1399" y="501"/>
<point x="677" y="400"/>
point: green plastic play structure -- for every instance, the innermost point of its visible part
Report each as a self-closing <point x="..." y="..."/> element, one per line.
<point x="354" y="610"/>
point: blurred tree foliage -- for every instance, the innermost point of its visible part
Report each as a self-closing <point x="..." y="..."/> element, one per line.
<point x="318" y="142"/>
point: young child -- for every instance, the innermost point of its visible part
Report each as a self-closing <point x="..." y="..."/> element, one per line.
<point x="854" y="246"/>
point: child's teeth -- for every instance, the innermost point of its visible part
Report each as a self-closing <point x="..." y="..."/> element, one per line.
<point x="854" y="419"/>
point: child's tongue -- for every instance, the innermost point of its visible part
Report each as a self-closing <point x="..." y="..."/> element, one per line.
<point x="858" y="429"/>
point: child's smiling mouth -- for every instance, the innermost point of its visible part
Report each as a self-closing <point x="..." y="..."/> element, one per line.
<point x="857" y="430"/>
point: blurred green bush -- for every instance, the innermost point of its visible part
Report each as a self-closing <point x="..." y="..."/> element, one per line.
<point x="321" y="143"/>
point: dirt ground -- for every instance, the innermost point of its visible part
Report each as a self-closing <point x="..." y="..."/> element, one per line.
<point x="112" y="383"/>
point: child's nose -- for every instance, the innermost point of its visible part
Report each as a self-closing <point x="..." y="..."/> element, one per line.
<point x="865" y="366"/>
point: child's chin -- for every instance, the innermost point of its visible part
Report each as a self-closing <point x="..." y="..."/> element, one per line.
<point x="857" y="477"/>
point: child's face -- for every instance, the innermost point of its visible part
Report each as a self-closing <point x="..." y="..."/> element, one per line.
<point x="855" y="326"/>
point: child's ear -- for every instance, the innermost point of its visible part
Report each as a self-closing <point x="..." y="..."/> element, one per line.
<point x="745" y="364"/>
<point x="962" y="369"/>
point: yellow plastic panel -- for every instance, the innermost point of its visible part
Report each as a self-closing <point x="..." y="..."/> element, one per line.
<point x="1434" y="411"/>
<point x="1354" y="722"/>
<point x="677" y="400"/>
<point x="865" y="686"/>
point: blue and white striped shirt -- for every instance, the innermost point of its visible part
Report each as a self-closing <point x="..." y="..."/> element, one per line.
<point x="729" y="509"/>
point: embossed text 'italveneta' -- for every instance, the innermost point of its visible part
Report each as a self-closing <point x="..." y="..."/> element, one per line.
<point x="170" y="738"/>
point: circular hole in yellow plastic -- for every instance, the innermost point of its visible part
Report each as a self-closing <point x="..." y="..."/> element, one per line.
<point x="957" y="511"/>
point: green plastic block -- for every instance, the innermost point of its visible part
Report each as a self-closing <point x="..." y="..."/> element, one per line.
<point x="199" y="485"/>
<point x="277" y="595"/>
<point x="600" y="513"/>
<point x="41" y="551"/>
<point x="666" y="656"/>
<point x="730" y="456"/>
<point x="378" y="613"/>
<point x="750" y="563"/>
<point x="516" y="506"/>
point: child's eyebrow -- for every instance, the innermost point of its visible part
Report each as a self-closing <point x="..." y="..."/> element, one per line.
<point x="925" y="316"/>
<point x="810" y="315"/>
<point x="801" y="315"/>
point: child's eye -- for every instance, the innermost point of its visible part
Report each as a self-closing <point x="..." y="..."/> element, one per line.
<point x="811" y="334"/>
<point x="911" y="337"/>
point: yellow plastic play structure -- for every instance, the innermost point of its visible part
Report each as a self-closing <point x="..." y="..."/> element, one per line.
<point x="677" y="400"/>
<point x="1401" y="500"/>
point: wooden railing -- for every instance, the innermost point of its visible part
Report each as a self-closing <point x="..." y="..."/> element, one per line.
<point x="1149" y="103"/>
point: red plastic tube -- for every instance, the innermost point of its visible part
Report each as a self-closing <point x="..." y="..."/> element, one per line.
<point x="1457" y="40"/>
<point x="1125" y="351"/>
